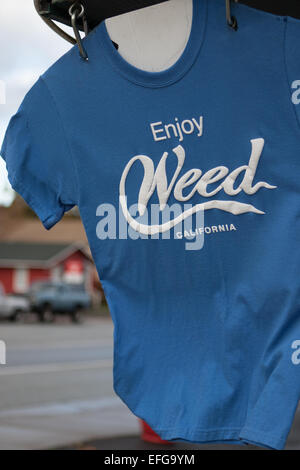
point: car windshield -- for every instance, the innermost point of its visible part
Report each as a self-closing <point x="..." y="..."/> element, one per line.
<point x="76" y="287"/>
<point x="36" y="286"/>
<point x="49" y="289"/>
<point x="52" y="287"/>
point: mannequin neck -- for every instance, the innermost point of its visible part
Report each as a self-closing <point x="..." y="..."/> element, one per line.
<point x="153" y="38"/>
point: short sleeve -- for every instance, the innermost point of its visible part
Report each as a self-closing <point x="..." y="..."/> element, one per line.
<point x="38" y="157"/>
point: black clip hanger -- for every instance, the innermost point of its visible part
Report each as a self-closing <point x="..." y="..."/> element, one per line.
<point x="74" y="13"/>
<point x="77" y="19"/>
<point x="98" y="10"/>
<point x="43" y="7"/>
<point x="85" y="15"/>
<point x="77" y="11"/>
<point x="90" y="13"/>
<point x="231" y="20"/>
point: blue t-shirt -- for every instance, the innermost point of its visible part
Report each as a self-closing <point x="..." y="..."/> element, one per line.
<point x="187" y="182"/>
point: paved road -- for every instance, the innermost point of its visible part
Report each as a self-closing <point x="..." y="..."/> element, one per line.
<point x="47" y="363"/>
<point x="56" y="389"/>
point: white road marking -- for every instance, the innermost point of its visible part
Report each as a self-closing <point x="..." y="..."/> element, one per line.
<point x="52" y="409"/>
<point x="56" y="367"/>
<point x="64" y="345"/>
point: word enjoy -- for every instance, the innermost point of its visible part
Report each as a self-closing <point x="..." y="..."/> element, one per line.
<point x="187" y="127"/>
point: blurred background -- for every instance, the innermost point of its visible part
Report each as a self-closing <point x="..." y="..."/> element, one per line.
<point x="56" y="387"/>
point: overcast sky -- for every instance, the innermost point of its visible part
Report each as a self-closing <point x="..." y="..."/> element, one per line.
<point x="28" y="48"/>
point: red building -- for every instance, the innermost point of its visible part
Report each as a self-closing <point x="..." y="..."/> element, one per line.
<point x="21" y="264"/>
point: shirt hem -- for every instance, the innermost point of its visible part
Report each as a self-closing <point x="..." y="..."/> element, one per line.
<point x="240" y="436"/>
<point x="261" y="438"/>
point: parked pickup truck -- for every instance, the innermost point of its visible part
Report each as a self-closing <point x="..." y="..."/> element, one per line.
<point x="12" y="306"/>
<point x="48" y="299"/>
